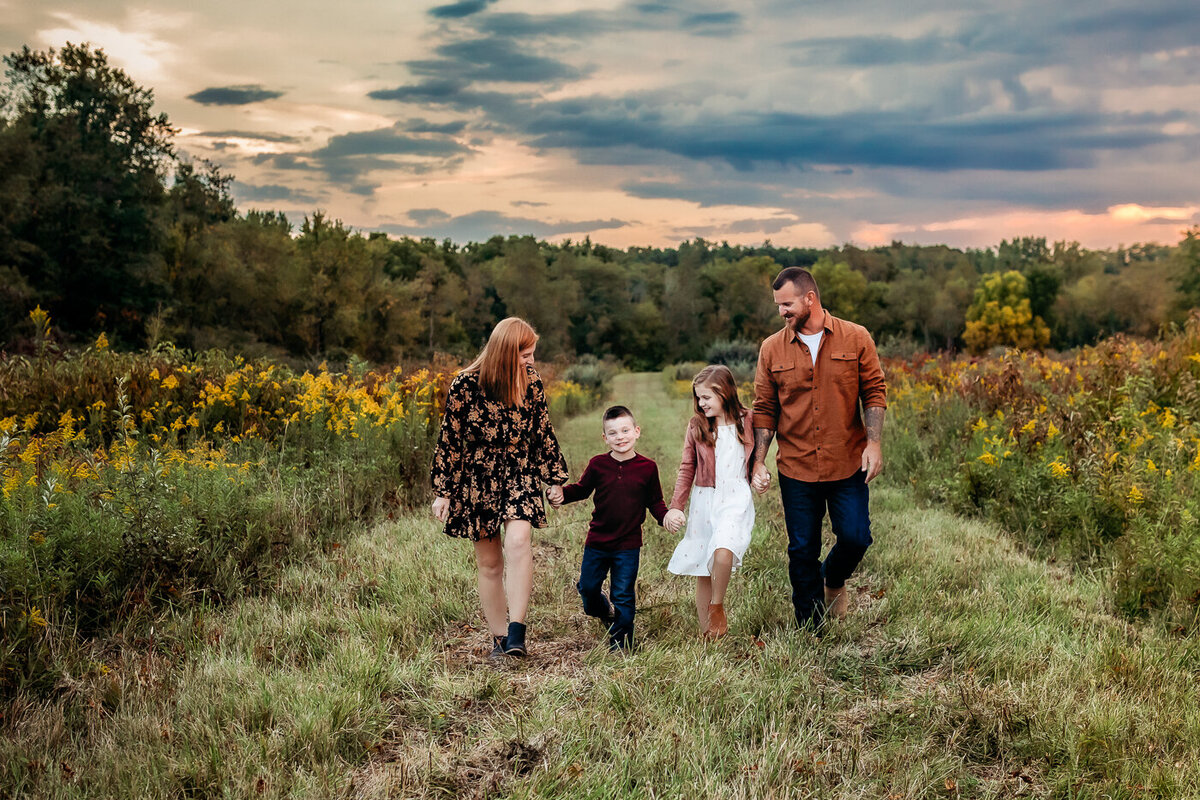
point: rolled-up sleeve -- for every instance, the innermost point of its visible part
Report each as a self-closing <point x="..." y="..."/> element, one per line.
<point x="766" y="392"/>
<point x="872" y="389"/>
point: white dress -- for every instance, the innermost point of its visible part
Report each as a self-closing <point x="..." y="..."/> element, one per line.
<point x="721" y="515"/>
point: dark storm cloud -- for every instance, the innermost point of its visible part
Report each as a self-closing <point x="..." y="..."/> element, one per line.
<point x="707" y="194"/>
<point x="387" y="141"/>
<point x="424" y="216"/>
<point x="424" y="126"/>
<point x="766" y="225"/>
<point x="233" y="95"/>
<point x="1000" y="141"/>
<point x="459" y="10"/>
<point x="457" y="95"/>
<point x="270" y="193"/>
<point x="493" y="59"/>
<point x="430" y="91"/>
<point x="479" y="226"/>
<point x="725" y="23"/>
<point x="348" y="158"/>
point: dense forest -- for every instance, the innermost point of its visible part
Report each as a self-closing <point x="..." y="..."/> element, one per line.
<point x="104" y="224"/>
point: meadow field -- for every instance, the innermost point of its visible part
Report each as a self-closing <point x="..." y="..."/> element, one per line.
<point x="356" y="668"/>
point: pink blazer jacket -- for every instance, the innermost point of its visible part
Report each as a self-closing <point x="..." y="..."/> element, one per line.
<point x="698" y="464"/>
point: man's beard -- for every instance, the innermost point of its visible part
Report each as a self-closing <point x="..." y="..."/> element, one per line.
<point x="799" y="320"/>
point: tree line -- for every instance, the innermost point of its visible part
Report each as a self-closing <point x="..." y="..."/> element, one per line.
<point x="107" y="227"/>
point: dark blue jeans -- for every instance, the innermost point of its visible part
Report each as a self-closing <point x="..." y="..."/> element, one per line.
<point x="621" y="566"/>
<point x="804" y="506"/>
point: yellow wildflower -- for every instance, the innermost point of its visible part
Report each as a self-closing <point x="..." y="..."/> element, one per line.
<point x="170" y="382"/>
<point x="1135" y="496"/>
<point x="987" y="458"/>
<point x="102" y="341"/>
<point x="1058" y="469"/>
<point x="1051" y="432"/>
<point x="980" y="424"/>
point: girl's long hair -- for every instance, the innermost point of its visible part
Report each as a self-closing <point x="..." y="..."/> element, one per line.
<point x="498" y="364"/>
<point x="724" y="386"/>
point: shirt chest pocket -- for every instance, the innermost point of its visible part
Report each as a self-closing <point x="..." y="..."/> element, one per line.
<point x="786" y="376"/>
<point x="844" y="368"/>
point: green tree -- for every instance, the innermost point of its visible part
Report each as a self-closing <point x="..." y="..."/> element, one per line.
<point x="1000" y="315"/>
<point x="84" y="159"/>
<point x="1187" y="264"/>
<point x="844" y="291"/>
<point x="741" y="295"/>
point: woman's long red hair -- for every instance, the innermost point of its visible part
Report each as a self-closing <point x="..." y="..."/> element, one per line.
<point x="724" y="386"/>
<point x="499" y="363"/>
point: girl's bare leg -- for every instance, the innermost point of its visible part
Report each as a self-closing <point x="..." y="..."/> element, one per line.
<point x="703" y="598"/>
<point x="489" y="562"/>
<point x="722" y="568"/>
<point x="518" y="563"/>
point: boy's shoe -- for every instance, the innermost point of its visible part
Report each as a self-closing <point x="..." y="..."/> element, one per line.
<point x="499" y="643"/>
<point x="611" y="614"/>
<point x="514" y="644"/>
<point x="718" y="625"/>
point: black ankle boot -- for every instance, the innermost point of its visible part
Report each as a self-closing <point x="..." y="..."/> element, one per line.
<point x="515" y="644"/>
<point x="499" y="643"/>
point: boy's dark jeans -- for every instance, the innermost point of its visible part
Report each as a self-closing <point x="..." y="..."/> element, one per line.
<point x="804" y="506"/>
<point x="622" y="566"/>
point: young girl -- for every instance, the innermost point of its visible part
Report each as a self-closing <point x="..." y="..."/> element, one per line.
<point x="715" y="468"/>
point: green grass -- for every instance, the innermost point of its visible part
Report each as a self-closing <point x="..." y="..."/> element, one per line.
<point x="966" y="669"/>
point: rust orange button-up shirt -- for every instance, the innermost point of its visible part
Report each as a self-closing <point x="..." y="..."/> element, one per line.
<point x="814" y="409"/>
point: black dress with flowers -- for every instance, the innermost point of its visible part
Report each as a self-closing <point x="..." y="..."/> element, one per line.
<point x="491" y="459"/>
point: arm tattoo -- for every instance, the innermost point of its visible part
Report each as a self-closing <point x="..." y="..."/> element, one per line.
<point x="874" y="420"/>
<point x="762" y="443"/>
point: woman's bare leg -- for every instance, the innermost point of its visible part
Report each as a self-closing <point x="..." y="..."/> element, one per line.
<point x="518" y="567"/>
<point x="489" y="562"/>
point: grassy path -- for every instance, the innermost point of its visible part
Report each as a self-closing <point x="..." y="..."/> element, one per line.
<point x="965" y="670"/>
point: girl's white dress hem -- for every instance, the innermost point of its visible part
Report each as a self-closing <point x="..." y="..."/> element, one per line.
<point x="720" y="516"/>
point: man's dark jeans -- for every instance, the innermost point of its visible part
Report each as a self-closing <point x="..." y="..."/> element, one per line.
<point x="804" y="506"/>
<point x="622" y="565"/>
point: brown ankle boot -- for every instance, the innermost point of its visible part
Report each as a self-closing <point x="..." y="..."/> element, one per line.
<point x="718" y="625"/>
<point x="837" y="602"/>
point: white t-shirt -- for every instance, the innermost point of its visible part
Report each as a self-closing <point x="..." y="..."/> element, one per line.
<point x="813" y="340"/>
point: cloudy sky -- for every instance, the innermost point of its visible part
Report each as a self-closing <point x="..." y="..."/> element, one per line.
<point x="646" y="123"/>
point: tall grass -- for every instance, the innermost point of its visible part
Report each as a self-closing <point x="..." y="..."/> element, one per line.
<point x="131" y="482"/>
<point x="967" y="669"/>
<point x="1093" y="456"/>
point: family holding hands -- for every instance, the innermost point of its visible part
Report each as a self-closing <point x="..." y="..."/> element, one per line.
<point x="818" y="388"/>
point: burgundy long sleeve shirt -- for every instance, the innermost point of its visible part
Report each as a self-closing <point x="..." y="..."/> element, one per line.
<point x="625" y="491"/>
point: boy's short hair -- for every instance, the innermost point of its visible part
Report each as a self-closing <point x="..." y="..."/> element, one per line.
<point x="613" y="412"/>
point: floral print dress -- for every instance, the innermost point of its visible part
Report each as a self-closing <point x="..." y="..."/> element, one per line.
<point x="491" y="459"/>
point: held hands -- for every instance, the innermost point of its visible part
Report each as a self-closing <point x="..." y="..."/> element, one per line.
<point x="555" y="495"/>
<point x="872" y="460"/>
<point x="674" y="520"/>
<point x="760" y="479"/>
<point x="441" y="508"/>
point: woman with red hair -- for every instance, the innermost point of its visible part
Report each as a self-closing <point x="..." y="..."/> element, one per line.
<point x="495" y="450"/>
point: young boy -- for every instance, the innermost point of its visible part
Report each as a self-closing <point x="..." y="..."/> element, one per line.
<point x="626" y="486"/>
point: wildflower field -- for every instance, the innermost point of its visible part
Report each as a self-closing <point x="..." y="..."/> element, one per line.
<point x="1093" y="456"/>
<point x="133" y="481"/>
